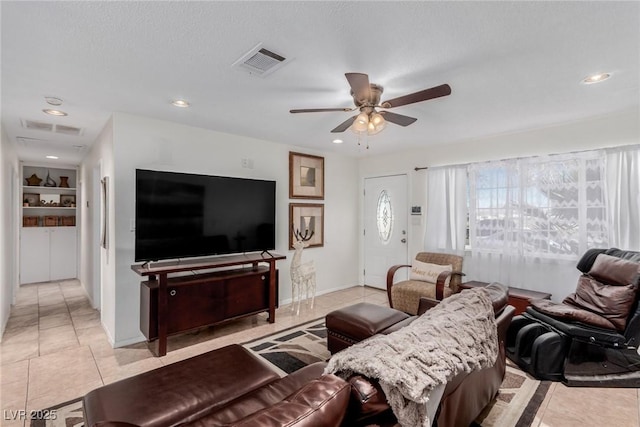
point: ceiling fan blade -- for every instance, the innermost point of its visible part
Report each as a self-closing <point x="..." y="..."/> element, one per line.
<point x="423" y="95"/>
<point x="398" y="119"/>
<point x="359" y="83"/>
<point x="344" y="125"/>
<point x="319" y="110"/>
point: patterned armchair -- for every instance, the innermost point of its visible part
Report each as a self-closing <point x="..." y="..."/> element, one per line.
<point x="436" y="283"/>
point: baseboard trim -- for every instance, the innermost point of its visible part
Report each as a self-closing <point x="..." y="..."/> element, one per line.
<point x="322" y="292"/>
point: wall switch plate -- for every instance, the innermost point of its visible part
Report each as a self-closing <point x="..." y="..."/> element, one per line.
<point x="132" y="225"/>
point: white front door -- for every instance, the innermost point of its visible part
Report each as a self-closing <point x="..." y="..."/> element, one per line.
<point x="385" y="227"/>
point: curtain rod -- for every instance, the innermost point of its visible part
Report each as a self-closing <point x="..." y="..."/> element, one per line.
<point x="609" y="149"/>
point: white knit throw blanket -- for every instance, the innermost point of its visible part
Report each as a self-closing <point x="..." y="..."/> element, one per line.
<point x="457" y="335"/>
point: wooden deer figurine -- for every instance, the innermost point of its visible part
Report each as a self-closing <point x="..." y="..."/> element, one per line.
<point x="303" y="275"/>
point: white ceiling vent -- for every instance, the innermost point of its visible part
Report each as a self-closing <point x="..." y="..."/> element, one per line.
<point x="32" y="124"/>
<point x="43" y="144"/>
<point x="68" y="130"/>
<point x="50" y="127"/>
<point x="260" y="61"/>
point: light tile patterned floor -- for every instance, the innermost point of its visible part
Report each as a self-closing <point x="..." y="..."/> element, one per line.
<point x="54" y="349"/>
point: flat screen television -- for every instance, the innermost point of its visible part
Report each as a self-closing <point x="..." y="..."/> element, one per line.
<point x="181" y="215"/>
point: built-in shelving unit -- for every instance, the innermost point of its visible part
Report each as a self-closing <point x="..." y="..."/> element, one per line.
<point x="48" y="236"/>
<point x="49" y="196"/>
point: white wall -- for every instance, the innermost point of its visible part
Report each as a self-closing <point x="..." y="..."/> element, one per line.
<point x="9" y="176"/>
<point x="100" y="156"/>
<point x="140" y="142"/>
<point x="607" y="131"/>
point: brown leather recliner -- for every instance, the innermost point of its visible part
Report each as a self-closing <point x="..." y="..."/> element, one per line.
<point x="592" y="337"/>
<point x="464" y="397"/>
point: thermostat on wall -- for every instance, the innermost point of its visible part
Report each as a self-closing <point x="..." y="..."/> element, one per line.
<point x="416" y="210"/>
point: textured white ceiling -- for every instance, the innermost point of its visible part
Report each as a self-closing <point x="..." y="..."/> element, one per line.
<point x="511" y="66"/>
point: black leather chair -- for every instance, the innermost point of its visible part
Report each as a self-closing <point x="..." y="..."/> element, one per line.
<point x="592" y="337"/>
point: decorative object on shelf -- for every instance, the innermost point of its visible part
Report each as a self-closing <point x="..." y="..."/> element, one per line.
<point x="67" y="221"/>
<point x="307" y="219"/>
<point x="303" y="275"/>
<point x="306" y="176"/>
<point x="31" y="199"/>
<point x="68" y="200"/>
<point x="50" y="221"/>
<point x="33" y="180"/>
<point x="49" y="182"/>
<point x="64" y="182"/>
<point x="29" y="221"/>
<point x="50" y="200"/>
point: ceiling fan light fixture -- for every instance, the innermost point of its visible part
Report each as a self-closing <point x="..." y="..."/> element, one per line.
<point x="361" y="123"/>
<point x="374" y="129"/>
<point x="379" y="123"/>
<point x="377" y="119"/>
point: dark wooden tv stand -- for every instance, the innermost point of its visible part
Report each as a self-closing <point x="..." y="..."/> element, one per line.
<point x="176" y="304"/>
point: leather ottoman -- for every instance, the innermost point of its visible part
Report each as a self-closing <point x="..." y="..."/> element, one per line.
<point x="357" y="322"/>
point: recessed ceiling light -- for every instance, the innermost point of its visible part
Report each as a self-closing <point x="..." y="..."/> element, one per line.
<point x="52" y="157"/>
<point x="596" y="78"/>
<point x="180" y="103"/>
<point x="52" y="100"/>
<point x="54" y="112"/>
<point x="337" y="141"/>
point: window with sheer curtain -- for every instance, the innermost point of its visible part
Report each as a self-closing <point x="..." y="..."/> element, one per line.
<point x="530" y="220"/>
<point x="548" y="207"/>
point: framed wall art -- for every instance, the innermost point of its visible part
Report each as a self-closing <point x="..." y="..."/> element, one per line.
<point x="306" y="220"/>
<point x="306" y="176"/>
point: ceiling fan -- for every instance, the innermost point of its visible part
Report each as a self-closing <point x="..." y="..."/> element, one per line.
<point x="366" y="97"/>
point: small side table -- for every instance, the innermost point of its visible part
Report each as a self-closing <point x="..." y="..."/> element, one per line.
<point x="519" y="298"/>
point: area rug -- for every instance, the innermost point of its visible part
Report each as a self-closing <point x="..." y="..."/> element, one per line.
<point x="516" y="405"/>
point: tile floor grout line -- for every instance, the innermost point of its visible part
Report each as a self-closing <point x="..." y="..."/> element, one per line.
<point x="26" y="395"/>
<point x="38" y="302"/>
<point x="66" y="304"/>
<point x="93" y="356"/>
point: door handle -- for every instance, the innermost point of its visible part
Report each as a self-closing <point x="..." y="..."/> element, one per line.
<point x="403" y="240"/>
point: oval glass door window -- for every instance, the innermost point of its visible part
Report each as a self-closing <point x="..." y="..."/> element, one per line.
<point x="384" y="216"/>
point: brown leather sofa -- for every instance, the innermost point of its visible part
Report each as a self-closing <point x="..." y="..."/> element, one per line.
<point x="224" y="387"/>
<point x="232" y="387"/>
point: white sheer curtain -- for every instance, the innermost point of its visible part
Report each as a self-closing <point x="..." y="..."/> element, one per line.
<point x="531" y="219"/>
<point x="623" y="197"/>
<point x="446" y="213"/>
